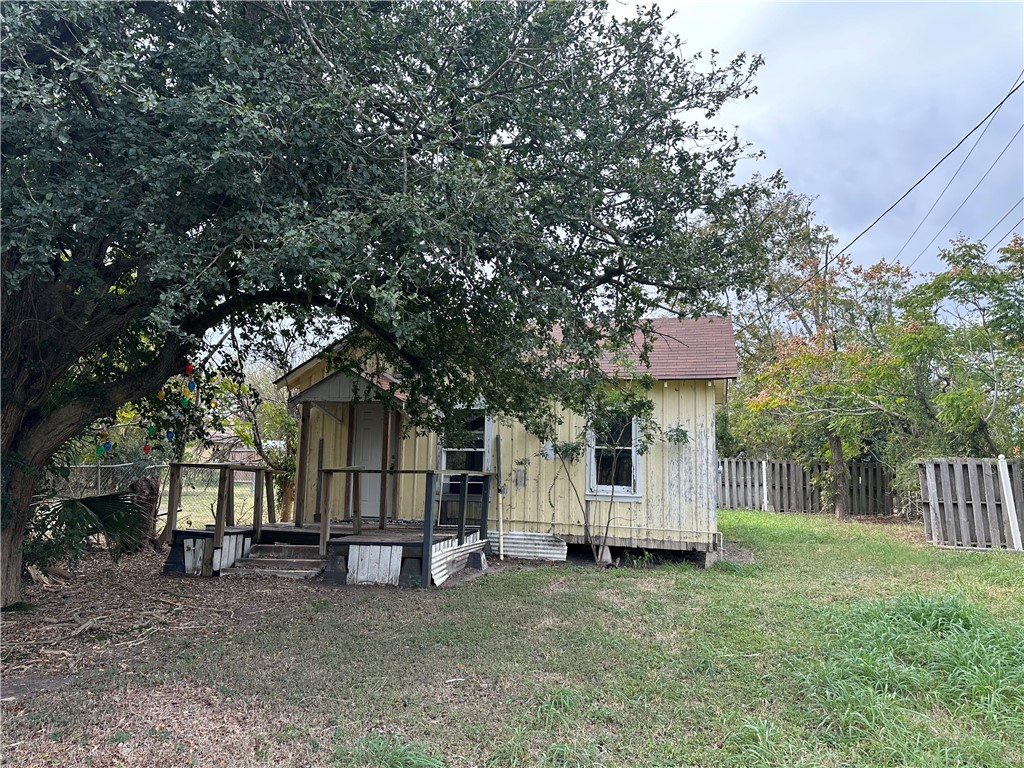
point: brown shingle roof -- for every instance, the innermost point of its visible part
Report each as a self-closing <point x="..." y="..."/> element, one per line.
<point x="701" y="348"/>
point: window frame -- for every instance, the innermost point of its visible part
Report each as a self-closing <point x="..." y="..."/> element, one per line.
<point x="598" y="492"/>
<point x="487" y="451"/>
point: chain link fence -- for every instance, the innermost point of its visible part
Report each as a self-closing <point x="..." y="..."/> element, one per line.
<point x="96" y="479"/>
<point x="198" y="489"/>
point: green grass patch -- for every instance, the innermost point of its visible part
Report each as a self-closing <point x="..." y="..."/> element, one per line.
<point x="384" y="752"/>
<point x="842" y="644"/>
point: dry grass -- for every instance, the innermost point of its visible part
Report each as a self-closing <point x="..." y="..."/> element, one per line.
<point x="550" y="666"/>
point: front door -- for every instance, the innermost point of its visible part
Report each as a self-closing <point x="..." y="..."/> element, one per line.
<point x="367" y="445"/>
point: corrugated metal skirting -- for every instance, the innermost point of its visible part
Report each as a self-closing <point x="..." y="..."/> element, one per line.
<point x="530" y="546"/>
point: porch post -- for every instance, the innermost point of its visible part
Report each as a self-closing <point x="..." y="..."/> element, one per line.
<point x="173" y="498"/>
<point x="319" y="474"/>
<point x="269" y="479"/>
<point x="485" y="502"/>
<point x="257" y="506"/>
<point x="385" y="453"/>
<point x="300" y="481"/>
<point x="428" y="529"/>
<point x="463" y="503"/>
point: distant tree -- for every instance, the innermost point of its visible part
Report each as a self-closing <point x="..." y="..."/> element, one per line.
<point x="454" y="179"/>
<point x="865" y="362"/>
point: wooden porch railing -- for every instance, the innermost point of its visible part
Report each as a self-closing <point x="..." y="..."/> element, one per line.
<point x="431" y="501"/>
<point x="224" y="510"/>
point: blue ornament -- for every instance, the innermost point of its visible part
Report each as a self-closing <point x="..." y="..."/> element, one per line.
<point x="107" y="446"/>
<point x="170" y="435"/>
<point x="191" y="386"/>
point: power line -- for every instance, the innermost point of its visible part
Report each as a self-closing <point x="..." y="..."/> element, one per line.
<point x="969" y="195"/>
<point x="1005" y="216"/>
<point x="932" y="169"/>
<point x="817" y="270"/>
<point x="951" y="180"/>
<point x="1011" y="231"/>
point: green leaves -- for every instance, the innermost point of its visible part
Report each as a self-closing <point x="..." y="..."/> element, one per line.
<point x="494" y="193"/>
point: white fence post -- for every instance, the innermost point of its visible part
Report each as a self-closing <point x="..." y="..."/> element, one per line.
<point x="1008" y="503"/>
<point x="764" y="486"/>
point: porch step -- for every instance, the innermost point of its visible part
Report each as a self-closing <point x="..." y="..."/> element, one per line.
<point x="280" y="563"/>
<point x="281" y="573"/>
<point x="301" y="551"/>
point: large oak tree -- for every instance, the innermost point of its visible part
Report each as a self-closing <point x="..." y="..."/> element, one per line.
<point x="455" y="179"/>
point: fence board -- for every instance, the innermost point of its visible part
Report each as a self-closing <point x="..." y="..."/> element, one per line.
<point x="965" y="504"/>
<point x="791" y="487"/>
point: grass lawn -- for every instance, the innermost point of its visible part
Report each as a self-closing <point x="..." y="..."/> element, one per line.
<point x="840" y="645"/>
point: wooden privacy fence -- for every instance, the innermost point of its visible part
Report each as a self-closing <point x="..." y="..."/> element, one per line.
<point x="973" y="503"/>
<point x="788" y="486"/>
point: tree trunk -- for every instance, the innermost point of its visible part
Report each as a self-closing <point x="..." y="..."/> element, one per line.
<point x="840" y="478"/>
<point x="17" y="500"/>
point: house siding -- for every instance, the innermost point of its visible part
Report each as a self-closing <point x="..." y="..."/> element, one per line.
<point x="678" y="482"/>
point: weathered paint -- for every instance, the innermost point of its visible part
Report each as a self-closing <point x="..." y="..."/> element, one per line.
<point x="374" y="564"/>
<point x="679" y="483"/>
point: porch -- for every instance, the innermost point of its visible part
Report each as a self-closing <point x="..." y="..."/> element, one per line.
<point x="341" y="544"/>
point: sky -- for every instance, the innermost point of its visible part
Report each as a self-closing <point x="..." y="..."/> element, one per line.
<point x="857" y="101"/>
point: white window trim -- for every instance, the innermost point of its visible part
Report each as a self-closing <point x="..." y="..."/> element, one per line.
<point x="441" y="458"/>
<point x="632" y="493"/>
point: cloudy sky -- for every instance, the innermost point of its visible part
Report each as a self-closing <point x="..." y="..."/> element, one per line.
<point x="858" y="100"/>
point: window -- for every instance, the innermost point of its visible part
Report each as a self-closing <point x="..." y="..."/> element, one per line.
<point x="471" y="457"/>
<point x="613" y="462"/>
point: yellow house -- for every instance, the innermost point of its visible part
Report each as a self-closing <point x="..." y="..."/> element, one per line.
<point x="662" y="499"/>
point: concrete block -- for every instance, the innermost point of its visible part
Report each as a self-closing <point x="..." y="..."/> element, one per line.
<point x="477" y="561"/>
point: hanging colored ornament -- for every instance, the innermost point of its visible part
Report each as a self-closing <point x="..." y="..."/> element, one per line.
<point x="184" y="402"/>
<point x="99" y="450"/>
<point x="213" y="403"/>
<point x="103" y="435"/>
<point x="108" y="446"/>
<point x="151" y="430"/>
<point x="191" y="386"/>
<point x="160" y="395"/>
<point x="188" y="369"/>
<point x="170" y="435"/>
<point x="147" y="448"/>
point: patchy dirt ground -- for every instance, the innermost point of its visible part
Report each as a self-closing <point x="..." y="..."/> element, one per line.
<point x="111" y="611"/>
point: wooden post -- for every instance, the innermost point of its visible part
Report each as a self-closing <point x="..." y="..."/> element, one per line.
<point x="1009" y="507"/>
<point x="984" y="539"/>
<point x="271" y="513"/>
<point x="257" y="506"/>
<point x="229" y="509"/>
<point x="357" y="509"/>
<point x="173" y="498"/>
<point x="995" y="524"/>
<point x="324" y="509"/>
<point x="303" y="474"/>
<point x="933" y="503"/>
<point x="396" y="436"/>
<point x="428" y="529"/>
<point x="223" y="499"/>
<point x="319" y="473"/>
<point x="350" y="421"/>
<point x="485" y="502"/>
<point x="463" y="503"/>
<point x="212" y="553"/>
<point x="385" y="454"/>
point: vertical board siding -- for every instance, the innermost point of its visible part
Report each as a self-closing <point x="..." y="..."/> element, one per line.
<point x="678" y="483"/>
<point x="963" y="502"/>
